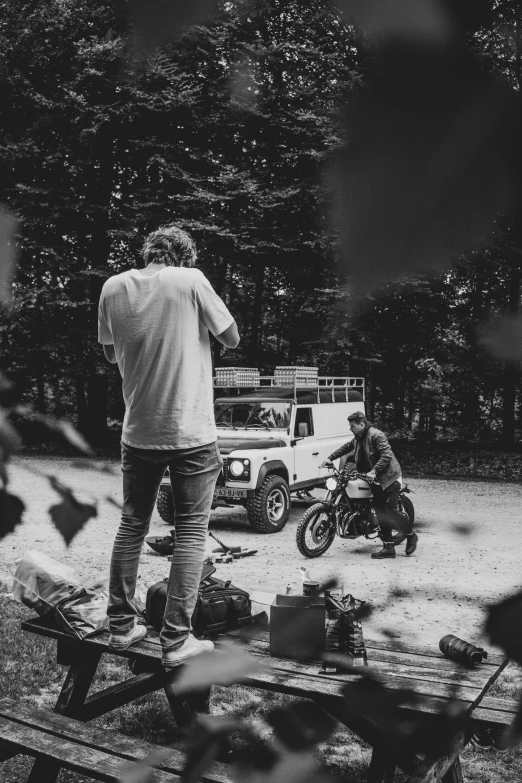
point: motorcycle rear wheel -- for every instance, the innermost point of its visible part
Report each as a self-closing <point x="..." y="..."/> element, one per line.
<point x="315" y="531"/>
<point x="406" y="505"/>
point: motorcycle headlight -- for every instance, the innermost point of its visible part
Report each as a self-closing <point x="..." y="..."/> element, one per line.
<point x="331" y="483"/>
<point x="237" y="468"/>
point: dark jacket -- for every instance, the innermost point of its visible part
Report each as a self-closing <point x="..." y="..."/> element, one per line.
<point x="378" y="454"/>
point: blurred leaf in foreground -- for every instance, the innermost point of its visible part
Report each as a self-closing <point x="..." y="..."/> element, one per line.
<point x="503" y="337"/>
<point x="11" y="510"/>
<point x="299" y="767"/>
<point x="432" y="153"/>
<point x="66" y="430"/>
<point x="203" y="743"/>
<point x="143" y="771"/>
<point x="504" y="626"/>
<point x="421" y="20"/>
<point x="216" y="668"/>
<point x="70" y="515"/>
<point x="60" y="428"/>
<point x="95" y="465"/>
<point x="156" y="22"/>
<point x="10" y="440"/>
<point x="5" y="383"/>
<point x="8" y="225"/>
<point x="301" y="725"/>
<point x="113" y="502"/>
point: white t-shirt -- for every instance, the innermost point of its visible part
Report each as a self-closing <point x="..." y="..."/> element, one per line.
<point x="159" y="325"/>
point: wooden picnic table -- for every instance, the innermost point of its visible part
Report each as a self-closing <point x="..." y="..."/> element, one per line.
<point x="436" y="680"/>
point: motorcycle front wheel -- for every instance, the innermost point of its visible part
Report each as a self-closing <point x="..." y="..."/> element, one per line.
<point x="315" y="531"/>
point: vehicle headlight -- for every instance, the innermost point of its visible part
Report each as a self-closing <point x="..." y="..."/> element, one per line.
<point x="237" y="467"/>
<point x="331" y="483"/>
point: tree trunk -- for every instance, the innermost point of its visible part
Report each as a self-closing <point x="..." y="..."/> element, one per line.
<point x="255" y="330"/>
<point x="97" y="399"/>
<point x="81" y="403"/>
<point x="40" y="386"/>
<point x="511" y="368"/>
<point x="509" y="395"/>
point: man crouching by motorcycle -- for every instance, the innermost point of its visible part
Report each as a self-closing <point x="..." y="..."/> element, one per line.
<point x="373" y="456"/>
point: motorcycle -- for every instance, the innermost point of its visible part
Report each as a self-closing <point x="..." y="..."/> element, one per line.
<point x="347" y="511"/>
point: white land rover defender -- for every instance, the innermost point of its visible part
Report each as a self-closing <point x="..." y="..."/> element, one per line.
<point x="273" y="437"/>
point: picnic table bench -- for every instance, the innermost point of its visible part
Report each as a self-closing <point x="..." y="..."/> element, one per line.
<point x="58" y="741"/>
<point x="435" y="679"/>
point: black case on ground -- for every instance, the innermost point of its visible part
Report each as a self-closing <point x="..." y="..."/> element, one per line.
<point x="220" y="606"/>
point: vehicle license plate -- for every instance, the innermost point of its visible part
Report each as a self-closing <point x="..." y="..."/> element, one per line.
<point x="225" y="492"/>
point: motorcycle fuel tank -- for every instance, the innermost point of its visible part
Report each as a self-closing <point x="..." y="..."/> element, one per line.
<point x="358" y="489"/>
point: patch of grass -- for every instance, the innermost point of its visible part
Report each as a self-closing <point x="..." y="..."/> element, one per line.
<point x="509" y="684"/>
<point x="28" y="661"/>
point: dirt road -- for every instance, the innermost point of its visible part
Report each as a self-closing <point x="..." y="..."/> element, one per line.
<point x="468" y="556"/>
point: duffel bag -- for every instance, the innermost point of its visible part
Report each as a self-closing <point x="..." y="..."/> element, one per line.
<point x="220" y="607"/>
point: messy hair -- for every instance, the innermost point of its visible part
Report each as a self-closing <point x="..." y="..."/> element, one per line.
<point x="358" y="417"/>
<point x="169" y="245"/>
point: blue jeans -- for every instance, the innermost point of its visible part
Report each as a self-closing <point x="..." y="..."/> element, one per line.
<point x="193" y="474"/>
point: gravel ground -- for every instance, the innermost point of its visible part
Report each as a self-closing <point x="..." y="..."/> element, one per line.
<point x="470" y="538"/>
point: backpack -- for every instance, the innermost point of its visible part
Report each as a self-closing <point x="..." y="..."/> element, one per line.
<point x="220" y="606"/>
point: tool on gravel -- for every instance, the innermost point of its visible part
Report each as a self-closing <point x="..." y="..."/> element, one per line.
<point x="228" y="549"/>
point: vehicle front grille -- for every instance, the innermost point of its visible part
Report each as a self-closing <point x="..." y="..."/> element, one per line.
<point x="225" y="470"/>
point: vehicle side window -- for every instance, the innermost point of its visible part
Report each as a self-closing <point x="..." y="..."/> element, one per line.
<point x="303" y="416"/>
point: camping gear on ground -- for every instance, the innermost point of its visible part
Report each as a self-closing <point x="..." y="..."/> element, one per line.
<point x="297" y="627"/>
<point x="235" y="552"/>
<point x="52" y="588"/>
<point x="163" y="545"/>
<point x="223" y="558"/>
<point x="461" y="651"/>
<point x="221" y="606"/>
<point x="223" y="547"/>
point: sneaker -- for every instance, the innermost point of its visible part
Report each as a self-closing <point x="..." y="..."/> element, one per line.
<point x="388" y="550"/>
<point x="121" y="641"/>
<point x="188" y="649"/>
<point x="411" y="543"/>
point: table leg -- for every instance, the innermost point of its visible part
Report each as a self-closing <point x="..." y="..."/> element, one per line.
<point x="70" y="701"/>
<point x="185" y="709"/>
<point x="382" y="767"/>
<point x="454" y="773"/>
<point x="76" y="686"/>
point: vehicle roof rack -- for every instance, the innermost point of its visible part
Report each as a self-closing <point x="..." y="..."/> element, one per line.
<point x="323" y="388"/>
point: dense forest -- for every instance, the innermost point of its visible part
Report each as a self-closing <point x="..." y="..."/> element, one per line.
<point x="233" y="130"/>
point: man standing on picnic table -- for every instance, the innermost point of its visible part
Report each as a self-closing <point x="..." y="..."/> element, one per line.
<point x="155" y="323"/>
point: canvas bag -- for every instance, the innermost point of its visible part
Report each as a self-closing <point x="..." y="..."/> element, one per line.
<point x="220" y="607"/>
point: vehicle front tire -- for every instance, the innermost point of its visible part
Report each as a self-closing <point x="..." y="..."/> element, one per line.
<point x="165" y="505"/>
<point x="269" y="509"/>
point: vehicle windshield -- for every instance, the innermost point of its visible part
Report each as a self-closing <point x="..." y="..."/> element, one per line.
<point x="243" y="415"/>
